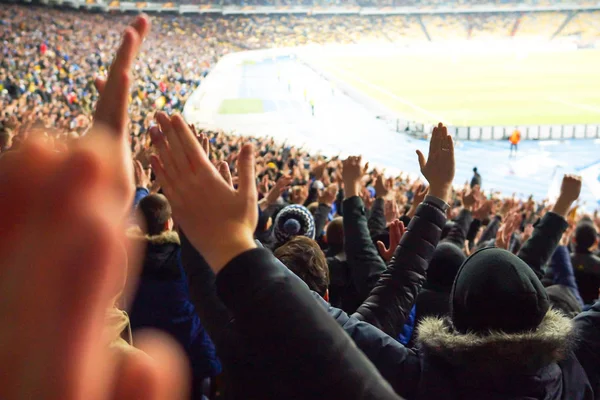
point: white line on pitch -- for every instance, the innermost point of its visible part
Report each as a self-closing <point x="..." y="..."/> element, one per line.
<point x="392" y="95"/>
<point x="586" y="107"/>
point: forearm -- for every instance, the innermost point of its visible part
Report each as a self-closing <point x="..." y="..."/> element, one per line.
<point x="377" y="222"/>
<point x="562" y="270"/>
<point x="321" y="215"/>
<point x="389" y="303"/>
<point x="259" y="290"/>
<point x="213" y="313"/>
<point x="458" y="233"/>
<point x="365" y="263"/>
<point x="546" y="235"/>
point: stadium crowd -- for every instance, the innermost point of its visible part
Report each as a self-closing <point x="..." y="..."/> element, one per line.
<point x="278" y="274"/>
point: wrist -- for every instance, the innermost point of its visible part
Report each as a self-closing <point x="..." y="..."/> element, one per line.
<point x="222" y="252"/>
<point x="441" y="192"/>
<point x="352" y="189"/>
<point x="561" y="207"/>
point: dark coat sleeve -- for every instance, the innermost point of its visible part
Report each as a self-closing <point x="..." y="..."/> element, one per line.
<point x="339" y="201"/>
<point x="458" y="232"/>
<point x="390" y="302"/>
<point x="472" y="232"/>
<point x="399" y="365"/>
<point x="587" y="325"/>
<point x="536" y="252"/>
<point x="377" y="223"/>
<point x="490" y="231"/>
<point x="304" y="347"/>
<point x="562" y="270"/>
<point x="366" y="266"/>
<point x="203" y="293"/>
<point x="321" y="219"/>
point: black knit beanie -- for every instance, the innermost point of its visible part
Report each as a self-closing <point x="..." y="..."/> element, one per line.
<point x="585" y="237"/>
<point x="495" y="290"/>
<point x="443" y="267"/>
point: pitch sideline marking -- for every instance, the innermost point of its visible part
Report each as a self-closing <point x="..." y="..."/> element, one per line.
<point x="392" y="95"/>
<point x="586" y="107"/>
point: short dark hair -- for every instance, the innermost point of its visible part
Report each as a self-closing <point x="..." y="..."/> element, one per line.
<point x="156" y="210"/>
<point x="585" y="236"/>
<point x="304" y="257"/>
<point x="335" y="232"/>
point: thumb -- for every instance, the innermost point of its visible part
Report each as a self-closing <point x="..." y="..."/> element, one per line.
<point x="246" y="173"/>
<point x="381" y="248"/>
<point x="422" y="161"/>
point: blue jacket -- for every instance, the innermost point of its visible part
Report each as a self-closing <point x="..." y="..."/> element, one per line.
<point x="162" y="302"/>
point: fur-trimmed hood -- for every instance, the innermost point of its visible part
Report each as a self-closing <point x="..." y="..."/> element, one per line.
<point x="498" y="351"/>
<point x="166" y="237"/>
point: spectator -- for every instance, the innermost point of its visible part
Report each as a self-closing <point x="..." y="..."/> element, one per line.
<point x="162" y="299"/>
<point x="585" y="263"/>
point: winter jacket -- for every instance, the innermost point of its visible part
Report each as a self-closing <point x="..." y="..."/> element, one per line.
<point x="353" y="278"/>
<point x="560" y="360"/>
<point x="587" y="273"/>
<point x="563" y="274"/>
<point x="162" y="302"/>
<point x="387" y="307"/>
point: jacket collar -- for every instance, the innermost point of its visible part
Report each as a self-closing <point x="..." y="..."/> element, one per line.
<point x="166" y="237"/>
<point x="499" y="351"/>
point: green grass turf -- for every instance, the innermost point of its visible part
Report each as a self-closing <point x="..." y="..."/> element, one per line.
<point x="473" y="90"/>
<point x="241" y="106"/>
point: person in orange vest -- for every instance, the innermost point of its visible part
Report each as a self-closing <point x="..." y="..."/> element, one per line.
<point x="515" y="138"/>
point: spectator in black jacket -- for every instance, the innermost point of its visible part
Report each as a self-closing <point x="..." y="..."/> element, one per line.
<point x="476" y="179"/>
<point x="585" y="263"/>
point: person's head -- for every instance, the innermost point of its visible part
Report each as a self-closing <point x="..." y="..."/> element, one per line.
<point x="443" y="267"/>
<point x="304" y="257"/>
<point x="335" y="232"/>
<point x="156" y="213"/>
<point x="495" y="290"/>
<point x="475" y="169"/>
<point x="585" y="237"/>
<point x="293" y="220"/>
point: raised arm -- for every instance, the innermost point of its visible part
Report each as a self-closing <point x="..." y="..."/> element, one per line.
<point x="562" y="268"/>
<point x="363" y="259"/>
<point x="272" y="307"/>
<point x="389" y="303"/>
<point x="377" y="221"/>
<point x="547" y="233"/>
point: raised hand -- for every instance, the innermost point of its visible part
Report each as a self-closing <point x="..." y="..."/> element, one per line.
<point x="569" y="192"/>
<point x="142" y="177"/>
<point x="282" y="184"/>
<point x="391" y="211"/>
<point x="509" y="226"/>
<point x="439" y="166"/>
<point x="329" y="194"/>
<point x="352" y="173"/>
<point x="382" y="187"/>
<point x="111" y="111"/>
<point x="218" y="219"/>
<point x="68" y="245"/>
<point x="397" y="230"/>
<point x="419" y="195"/>
<point x="471" y="198"/>
<point x="483" y="209"/>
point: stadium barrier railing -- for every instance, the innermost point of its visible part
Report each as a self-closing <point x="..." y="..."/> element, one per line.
<point x="528" y="132"/>
<point x="182" y="8"/>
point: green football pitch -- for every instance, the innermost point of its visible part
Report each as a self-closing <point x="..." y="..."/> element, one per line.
<point x="532" y="88"/>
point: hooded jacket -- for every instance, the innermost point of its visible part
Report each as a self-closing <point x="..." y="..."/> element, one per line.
<point x="162" y="302"/>
<point x="373" y="327"/>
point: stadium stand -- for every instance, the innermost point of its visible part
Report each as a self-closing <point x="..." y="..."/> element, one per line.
<point x="279" y="273"/>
